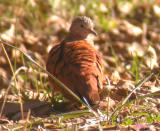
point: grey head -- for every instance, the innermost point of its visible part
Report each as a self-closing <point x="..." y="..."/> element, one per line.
<point x="81" y="27"/>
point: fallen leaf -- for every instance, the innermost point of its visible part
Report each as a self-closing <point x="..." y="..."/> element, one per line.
<point x="9" y="34"/>
<point x="151" y="58"/>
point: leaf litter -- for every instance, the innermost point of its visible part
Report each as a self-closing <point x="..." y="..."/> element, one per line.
<point x="130" y="49"/>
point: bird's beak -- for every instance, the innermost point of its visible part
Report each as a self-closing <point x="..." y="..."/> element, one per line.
<point x="92" y="31"/>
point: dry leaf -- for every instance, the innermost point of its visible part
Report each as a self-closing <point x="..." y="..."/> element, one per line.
<point x="115" y="77"/>
<point x="132" y="29"/>
<point x="125" y="7"/>
<point x="151" y="58"/>
<point x="156" y="10"/>
<point x="135" y="49"/>
<point x="82" y="9"/>
<point x="103" y="8"/>
<point x="9" y="34"/>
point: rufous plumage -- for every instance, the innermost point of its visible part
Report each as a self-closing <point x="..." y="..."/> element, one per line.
<point x="76" y="62"/>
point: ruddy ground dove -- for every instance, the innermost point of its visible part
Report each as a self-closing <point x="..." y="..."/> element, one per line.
<point x="76" y="62"/>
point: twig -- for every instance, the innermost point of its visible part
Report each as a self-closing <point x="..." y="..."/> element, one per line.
<point x="138" y="85"/>
<point x="27" y="120"/>
<point x="15" y="80"/>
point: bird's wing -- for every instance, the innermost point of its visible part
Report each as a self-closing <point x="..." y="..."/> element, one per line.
<point x="55" y="59"/>
<point x="83" y="68"/>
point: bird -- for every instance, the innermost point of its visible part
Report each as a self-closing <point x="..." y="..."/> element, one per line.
<point x="77" y="64"/>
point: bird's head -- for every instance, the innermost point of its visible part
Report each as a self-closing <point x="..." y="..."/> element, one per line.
<point x="82" y="26"/>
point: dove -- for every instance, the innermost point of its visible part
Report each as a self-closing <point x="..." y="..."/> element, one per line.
<point x="76" y="63"/>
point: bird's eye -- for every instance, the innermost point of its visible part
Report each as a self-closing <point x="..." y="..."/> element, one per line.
<point x="82" y="25"/>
